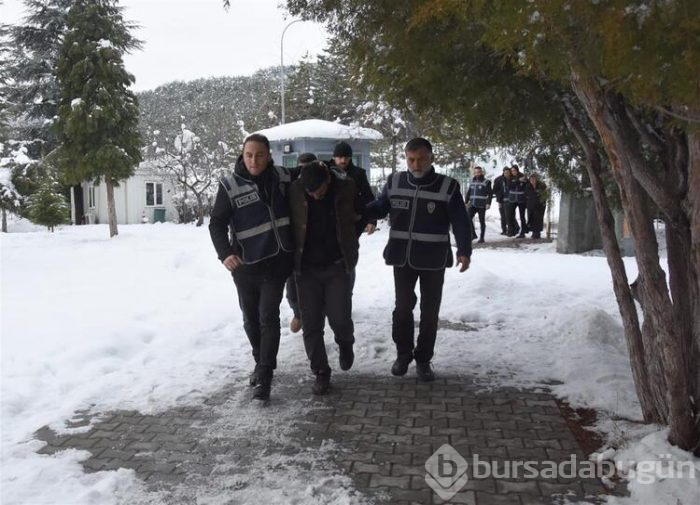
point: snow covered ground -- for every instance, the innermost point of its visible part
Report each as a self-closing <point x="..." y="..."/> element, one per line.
<point x="149" y="320"/>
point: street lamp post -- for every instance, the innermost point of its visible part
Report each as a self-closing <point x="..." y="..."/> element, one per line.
<point x="282" y="64"/>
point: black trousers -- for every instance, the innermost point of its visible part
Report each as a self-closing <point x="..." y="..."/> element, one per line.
<point x="513" y="227"/>
<point x="523" y="222"/>
<point x="259" y="297"/>
<point x="402" y="329"/>
<point x="535" y="217"/>
<point x="482" y="219"/>
<point x="325" y="291"/>
<point x="504" y="218"/>
<point x="293" y="296"/>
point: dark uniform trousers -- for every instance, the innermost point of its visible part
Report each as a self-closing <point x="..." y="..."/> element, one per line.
<point x="481" y="211"/>
<point x="325" y="291"/>
<point x="431" y="282"/>
<point x="259" y="299"/>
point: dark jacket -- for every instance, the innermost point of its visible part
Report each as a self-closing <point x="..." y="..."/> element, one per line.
<point x="347" y="213"/>
<point x="251" y="219"/>
<point x="516" y="190"/>
<point x="537" y="196"/>
<point x="364" y="190"/>
<point x="500" y="188"/>
<point x="421" y="213"/>
<point x="479" y="193"/>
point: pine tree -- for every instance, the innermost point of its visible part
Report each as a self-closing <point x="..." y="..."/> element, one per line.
<point x="47" y="206"/>
<point x="97" y="123"/>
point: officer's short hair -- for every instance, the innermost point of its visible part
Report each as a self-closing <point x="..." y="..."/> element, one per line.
<point x="257" y="137"/>
<point x="417" y="143"/>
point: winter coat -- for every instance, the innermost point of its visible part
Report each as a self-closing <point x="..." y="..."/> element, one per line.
<point x="421" y="212"/>
<point x="479" y="193"/>
<point x="255" y="212"/>
<point x="364" y="190"/>
<point x="347" y="213"/>
<point x="537" y="196"/>
<point x="516" y="190"/>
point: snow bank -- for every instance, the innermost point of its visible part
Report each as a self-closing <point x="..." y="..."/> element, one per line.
<point x="149" y="320"/>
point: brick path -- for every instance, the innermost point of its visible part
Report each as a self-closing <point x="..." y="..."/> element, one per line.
<point x="383" y="430"/>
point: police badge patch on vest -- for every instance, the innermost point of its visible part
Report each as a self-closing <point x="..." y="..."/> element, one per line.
<point x="400" y="204"/>
<point x="246" y="199"/>
<point x="431" y="207"/>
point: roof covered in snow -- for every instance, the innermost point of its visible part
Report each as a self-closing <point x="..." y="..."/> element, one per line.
<point x="319" y="129"/>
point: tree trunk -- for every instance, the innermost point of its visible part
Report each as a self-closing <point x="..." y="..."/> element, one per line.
<point x="630" y="320"/>
<point x="693" y="209"/>
<point x="4" y="221"/>
<point x="200" y="210"/>
<point x="636" y="180"/>
<point x="111" y="208"/>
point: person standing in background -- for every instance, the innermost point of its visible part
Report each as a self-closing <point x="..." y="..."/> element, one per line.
<point x="478" y="199"/>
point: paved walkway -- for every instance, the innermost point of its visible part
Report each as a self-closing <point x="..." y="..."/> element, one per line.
<point x="376" y="431"/>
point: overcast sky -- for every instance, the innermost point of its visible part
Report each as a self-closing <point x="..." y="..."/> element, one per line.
<point x="190" y="39"/>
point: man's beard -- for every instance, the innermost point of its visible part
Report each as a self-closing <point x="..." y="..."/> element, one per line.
<point x="418" y="174"/>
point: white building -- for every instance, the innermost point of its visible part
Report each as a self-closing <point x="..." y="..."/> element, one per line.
<point x="144" y="197"/>
<point x="319" y="137"/>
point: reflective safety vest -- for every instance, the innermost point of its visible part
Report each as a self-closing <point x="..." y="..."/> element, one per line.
<point x="479" y="193"/>
<point x="516" y="191"/>
<point x="261" y="230"/>
<point x="420" y="225"/>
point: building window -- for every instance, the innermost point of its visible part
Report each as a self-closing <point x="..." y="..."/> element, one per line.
<point x="91" y="196"/>
<point x="154" y="194"/>
<point x="289" y="160"/>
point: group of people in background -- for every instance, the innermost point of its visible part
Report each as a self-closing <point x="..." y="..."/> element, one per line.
<point x="271" y="223"/>
<point x="514" y="192"/>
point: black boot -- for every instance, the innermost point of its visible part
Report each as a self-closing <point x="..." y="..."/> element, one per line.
<point x="400" y="366"/>
<point x="322" y="383"/>
<point x="346" y="356"/>
<point x="262" y="388"/>
<point x="425" y="372"/>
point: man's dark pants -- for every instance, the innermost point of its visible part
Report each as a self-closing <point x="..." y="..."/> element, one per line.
<point x="523" y="221"/>
<point x="259" y="297"/>
<point x="325" y="291"/>
<point x="504" y="218"/>
<point x="402" y="330"/>
<point x="511" y="223"/>
<point x="482" y="219"/>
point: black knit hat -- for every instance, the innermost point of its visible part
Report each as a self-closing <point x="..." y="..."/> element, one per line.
<point x="342" y="149"/>
<point x="314" y="175"/>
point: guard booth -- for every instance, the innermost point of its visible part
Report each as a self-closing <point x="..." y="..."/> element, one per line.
<point x="319" y="137"/>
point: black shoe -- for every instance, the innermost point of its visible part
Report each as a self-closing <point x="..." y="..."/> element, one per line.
<point x="346" y="356"/>
<point x="400" y="366"/>
<point x="322" y="383"/>
<point x="262" y="388"/>
<point x="425" y="372"/>
<point x="254" y="376"/>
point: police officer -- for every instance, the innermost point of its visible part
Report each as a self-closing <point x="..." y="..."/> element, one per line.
<point x="478" y="199"/>
<point x="252" y="204"/>
<point x="422" y="205"/>
<point x="516" y="197"/>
